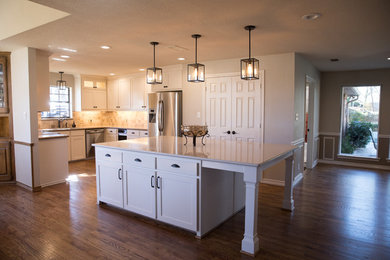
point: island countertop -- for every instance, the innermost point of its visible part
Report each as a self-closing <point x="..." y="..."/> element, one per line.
<point x="238" y="152"/>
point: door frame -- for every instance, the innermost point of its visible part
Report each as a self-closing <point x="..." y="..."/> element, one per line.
<point x="235" y="74"/>
<point x="309" y="81"/>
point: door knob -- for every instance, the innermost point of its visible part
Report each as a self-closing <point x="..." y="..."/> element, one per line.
<point x="227" y="132"/>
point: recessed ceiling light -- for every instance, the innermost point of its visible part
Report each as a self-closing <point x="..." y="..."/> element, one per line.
<point x="112" y="74"/>
<point x="58" y="59"/>
<point x="105" y="47"/>
<point x="388" y="58"/>
<point x="67" y="49"/>
<point x="181" y="58"/>
<point x="334" y="60"/>
<point x="311" y="16"/>
<point x="141" y="69"/>
<point x="65" y="56"/>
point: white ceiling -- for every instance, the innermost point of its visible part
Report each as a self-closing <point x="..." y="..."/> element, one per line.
<point x="355" y="31"/>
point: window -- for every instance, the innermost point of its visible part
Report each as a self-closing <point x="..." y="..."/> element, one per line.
<point x="359" y="121"/>
<point x="60" y="103"/>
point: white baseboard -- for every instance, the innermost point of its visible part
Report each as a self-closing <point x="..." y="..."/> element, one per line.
<point x="315" y="163"/>
<point x="273" y="182"/>
<point x="281" y="183"/>
<point x="298" y="178"/>
<point x="53" y="183"/>
<point x="360" y="165"/>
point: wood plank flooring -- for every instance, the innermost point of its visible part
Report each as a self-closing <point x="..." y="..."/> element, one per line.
<point x="341" y="213"/>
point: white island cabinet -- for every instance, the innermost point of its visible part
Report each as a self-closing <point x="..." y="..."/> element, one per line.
<point x="195" y="188"/>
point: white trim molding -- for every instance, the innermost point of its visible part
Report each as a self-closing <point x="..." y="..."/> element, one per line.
<point x="298" y="141"/>
<point x="359" y="165"/>
<point x="329" y="133"/>
<point x="273" y="182"/>
<point x="323" y="148"/>
<point x="370" y="159"/>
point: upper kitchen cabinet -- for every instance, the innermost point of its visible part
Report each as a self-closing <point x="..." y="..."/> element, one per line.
<point x="94" y="95"/>
<point x="139" y="92"/>
<point x="172" y="79"/>
<point x="119" y="94"/>
<point x="3" y="85"/>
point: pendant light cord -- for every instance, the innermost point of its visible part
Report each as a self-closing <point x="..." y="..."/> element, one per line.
<point x="249" y="44"/>
<point x="196" y="50"/>
<point x="154" y="56"/>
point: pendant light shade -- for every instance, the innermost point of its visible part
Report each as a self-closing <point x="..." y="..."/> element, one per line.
<point x="196" y="71"/>
<point x="61" y="84"/>
<point x="250" y="66"/>
<point x="154" y="75"/>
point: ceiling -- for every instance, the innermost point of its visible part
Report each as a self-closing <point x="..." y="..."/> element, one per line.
<point x="354" y="31"/>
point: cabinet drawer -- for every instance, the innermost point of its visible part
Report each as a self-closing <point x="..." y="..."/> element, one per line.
<point x="111" y="131"/>
<point x="109" y="155"/>
<point x="132" y="132"/>
<point x="139" y="160"/>
<point x="77" y="132"/>
<point x="143" y="133"/>
<point x="178" y="165"/>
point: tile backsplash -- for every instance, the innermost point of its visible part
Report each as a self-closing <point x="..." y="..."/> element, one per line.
<point x="125" y="119"/>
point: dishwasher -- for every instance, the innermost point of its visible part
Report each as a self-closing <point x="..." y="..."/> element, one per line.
<point x="93" y="136"/>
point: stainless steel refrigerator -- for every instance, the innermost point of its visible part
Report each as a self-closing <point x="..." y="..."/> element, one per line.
<point x="165" y="113"/>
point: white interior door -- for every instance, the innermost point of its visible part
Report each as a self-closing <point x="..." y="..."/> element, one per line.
<point x="247" y="107"/>
<point x="218" y="107"/>
<point x="233" y="104"/>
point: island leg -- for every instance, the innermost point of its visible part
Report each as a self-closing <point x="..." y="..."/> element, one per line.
<point x="288" y="202"/>
<point x="250" y="243"/>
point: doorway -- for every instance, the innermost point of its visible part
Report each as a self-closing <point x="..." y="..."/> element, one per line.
<point x="309" y="105"/>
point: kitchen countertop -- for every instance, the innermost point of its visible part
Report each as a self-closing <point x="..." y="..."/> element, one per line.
<point x="88" y="127"/>
<point x="238" y="152"/>
<point x="51" y="136"/>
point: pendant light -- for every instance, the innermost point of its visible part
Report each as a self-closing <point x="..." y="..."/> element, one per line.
<point x="154" y="75"/>
<point x="195" y="71"/>
<point x="61" y="84"/>
<point x="250" y="66"/>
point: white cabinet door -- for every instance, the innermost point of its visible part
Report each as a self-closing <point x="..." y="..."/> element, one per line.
<point x="124" y="94"/>
<point x="77" y="144"/>
<point x="172" y="80"/>
<point x="93" y="99"/>
<point x="177" y="200"/>
<point x="138" y="94"/>
<point x="112" y="94"/>
<point x="140" y="192"/>
<point x="109" y="183"/>
<point x="218" y="107"/>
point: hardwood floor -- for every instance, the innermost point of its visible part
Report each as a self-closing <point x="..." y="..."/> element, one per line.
<point x="341" y="213"/>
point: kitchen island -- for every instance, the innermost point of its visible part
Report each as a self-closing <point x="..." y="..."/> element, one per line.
<point x="192" y="187"/>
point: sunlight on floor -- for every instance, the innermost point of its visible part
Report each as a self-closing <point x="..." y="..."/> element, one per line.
<point x="75" y="177"/>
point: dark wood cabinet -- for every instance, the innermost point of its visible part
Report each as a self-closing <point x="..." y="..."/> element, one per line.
<point x="3" y="85"/>
<point x="5" y="161"/>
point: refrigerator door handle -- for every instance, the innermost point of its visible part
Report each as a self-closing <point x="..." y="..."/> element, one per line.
<point x="161" y="116"/>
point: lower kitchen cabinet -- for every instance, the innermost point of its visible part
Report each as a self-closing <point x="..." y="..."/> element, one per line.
<point x="5" y="161"/>
<point x="177" y="200"/>
<point x="109" y="183"/>
<point x="135" y="184"/>
<point x="77" y="144"/>
<point x="140" y="190"/>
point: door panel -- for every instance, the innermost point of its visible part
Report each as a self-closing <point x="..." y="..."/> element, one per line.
<point x="124" y="98"/>
<point x="177" y="200"/>
<point x="110" y="189"/>
<point x="140" y="192"/>
<point x="246" y="110"/>
<point x="218" y="107"/>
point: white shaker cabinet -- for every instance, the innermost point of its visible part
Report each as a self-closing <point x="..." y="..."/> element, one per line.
<point x="77" y="144"/>
<point x="119" y="94"/>
<point x="140" y="190"/>
<point x="93" y="95"/>
<point x="172" y="79"/>
<point x="177" y="200"/>
<point x="138" y="93"/>
<point x="109" y="183"/>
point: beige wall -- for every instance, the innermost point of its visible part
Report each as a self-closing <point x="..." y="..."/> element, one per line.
<point x="330" y="113"/>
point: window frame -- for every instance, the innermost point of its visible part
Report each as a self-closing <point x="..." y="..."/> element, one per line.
<point x="51" y="117"/>
<point x="351" y="156"/>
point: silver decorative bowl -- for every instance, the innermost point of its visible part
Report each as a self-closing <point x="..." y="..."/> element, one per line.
<point x="194" y="131"/>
